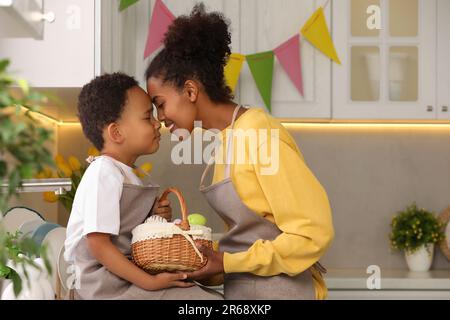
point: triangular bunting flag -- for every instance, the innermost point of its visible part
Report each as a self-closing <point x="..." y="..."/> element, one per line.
<point x="124" y="4"/>
<point x="233" y="69"/>
<point x="316" y="31"/>
<point x="289" y="56"/>
<point x="159" y="24"/>
<point x="261" y="66"/>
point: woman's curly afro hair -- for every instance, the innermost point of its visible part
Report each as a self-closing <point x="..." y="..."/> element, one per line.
<point x="196" y="47"/>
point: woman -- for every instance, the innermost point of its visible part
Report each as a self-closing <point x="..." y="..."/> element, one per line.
<point x="279" y="223"/>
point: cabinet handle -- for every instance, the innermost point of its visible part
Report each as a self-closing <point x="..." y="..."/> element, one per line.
<point x="444" y="108"/>
<point x="429" y="108"/>
<point x="38" y="16"/>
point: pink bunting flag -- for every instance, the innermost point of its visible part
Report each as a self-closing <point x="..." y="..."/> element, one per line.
<point x="289" y="56"/>
<point x="159" y="24"/>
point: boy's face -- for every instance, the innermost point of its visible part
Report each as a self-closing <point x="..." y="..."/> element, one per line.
<point x="137" y="124"/>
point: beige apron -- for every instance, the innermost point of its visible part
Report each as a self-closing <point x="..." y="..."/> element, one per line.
<point x="244" y="228"/>
<point x="96" y="282"/>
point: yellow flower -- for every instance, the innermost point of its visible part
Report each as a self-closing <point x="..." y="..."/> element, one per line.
<point x="49" y="172"/>
<point x="50" y="196"/>
<point x="74" y="163"/>
<point x="92" y="151"/>
<point x="138" y="173"/>
<point x="59" y="159"/>
<point x="65" y="170"/>
<point x="40" y="175"/>
<point x="143" y="169"/>
<point x="46" y="173"/>
<point x="147" y="167"/>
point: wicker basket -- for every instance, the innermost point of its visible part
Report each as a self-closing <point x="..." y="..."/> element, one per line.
<point x="175" y="250"/>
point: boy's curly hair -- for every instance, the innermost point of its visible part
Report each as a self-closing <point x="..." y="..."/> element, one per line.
<point x="196" y="47"/>
<point x="102" y="102"/>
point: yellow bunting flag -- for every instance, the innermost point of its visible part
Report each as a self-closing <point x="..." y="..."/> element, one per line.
<point x="316" y="31"/>
<point x="233" y="69"/>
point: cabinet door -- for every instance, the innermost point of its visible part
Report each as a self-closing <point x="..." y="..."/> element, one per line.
<point x="443" y="60"/>
<point x="17" y="19"/>
<point x="265" y="24"/>
<point x="65" y="57"/>
<point x="388" y="69"/>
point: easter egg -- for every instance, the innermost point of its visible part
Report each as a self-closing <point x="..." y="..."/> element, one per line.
<point x="197" y="219"/>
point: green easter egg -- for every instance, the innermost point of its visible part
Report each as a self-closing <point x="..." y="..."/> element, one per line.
<point x="197" y="219"/>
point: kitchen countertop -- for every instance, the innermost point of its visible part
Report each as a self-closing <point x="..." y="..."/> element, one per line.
<point x="391" y="279"/>
<point x="355" y="279"/>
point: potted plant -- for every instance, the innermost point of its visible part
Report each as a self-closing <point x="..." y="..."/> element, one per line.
<point x="416" y="231"/>
<point x="22" y="153"/>
<point x="19" y="260"/>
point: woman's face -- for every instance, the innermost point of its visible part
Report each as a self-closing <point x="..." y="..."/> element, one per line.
<point x="175" y="108"/>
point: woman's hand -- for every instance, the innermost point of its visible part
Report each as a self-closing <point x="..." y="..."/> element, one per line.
<point x="166" y="280"/>
<point x="163" y="209"/>
<point x="213" y="267"/>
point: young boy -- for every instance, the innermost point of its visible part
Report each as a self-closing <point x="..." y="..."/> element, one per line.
<point x="117" y="117"/>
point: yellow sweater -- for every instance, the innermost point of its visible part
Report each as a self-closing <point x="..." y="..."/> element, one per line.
<point x="292" y="198"/>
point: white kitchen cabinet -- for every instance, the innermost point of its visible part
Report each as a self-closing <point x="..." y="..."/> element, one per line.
<point x="388" y="72"/>
<point x="400" y="72"/>
<point x="22" y="18"/>
<point x="265" y="24"/>
<point x="68" y="55"/>
<point x="443" y="59"/>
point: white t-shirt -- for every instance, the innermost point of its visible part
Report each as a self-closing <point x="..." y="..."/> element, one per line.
<point x="96" y="207"/>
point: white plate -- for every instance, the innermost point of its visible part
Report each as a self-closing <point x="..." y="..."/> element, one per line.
<point x="27" y="228"/>
<point x="15" y="217"/>
<point x="54" y="241"/>
<point x="63" y="268"/>
<point x="41" y="231"/>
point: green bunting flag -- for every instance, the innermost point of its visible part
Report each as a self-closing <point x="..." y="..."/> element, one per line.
<point x="124" y="4"/>
<point x="261" y="66"/>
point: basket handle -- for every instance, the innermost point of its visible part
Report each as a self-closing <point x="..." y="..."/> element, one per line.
<point x="184" y="225"/>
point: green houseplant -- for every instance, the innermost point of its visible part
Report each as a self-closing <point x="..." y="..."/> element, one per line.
<point x="22" y="154"/>
<point x="416" y="231"/>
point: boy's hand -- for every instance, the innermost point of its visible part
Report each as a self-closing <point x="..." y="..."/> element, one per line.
<point x="167" y="280"/>
<point x="163" y="209"/>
